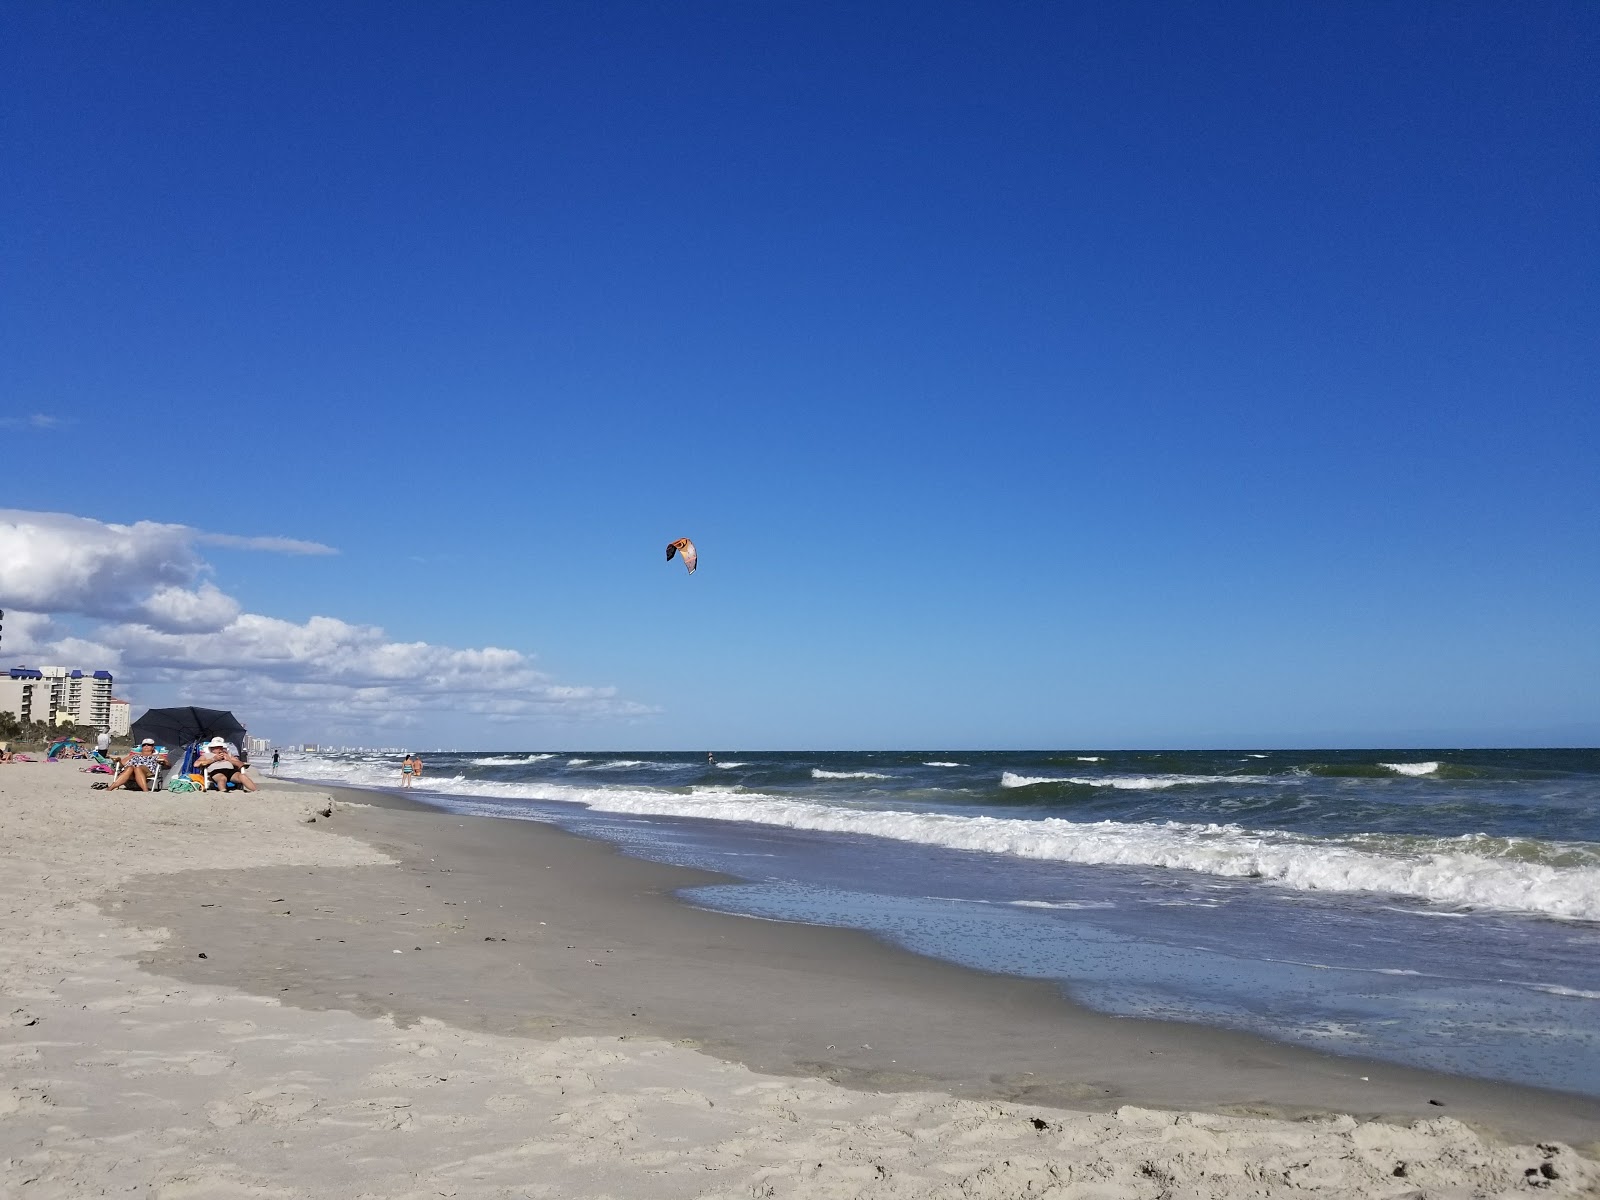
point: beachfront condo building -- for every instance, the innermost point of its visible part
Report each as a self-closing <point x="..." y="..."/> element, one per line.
<point x="24" y="697"/>
<point x="121" y="718"/>
<point x="88" y="697"/>
<point x="56" y="695"/>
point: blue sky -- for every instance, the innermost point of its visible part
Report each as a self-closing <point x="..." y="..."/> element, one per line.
<point x="1027" y="374"/>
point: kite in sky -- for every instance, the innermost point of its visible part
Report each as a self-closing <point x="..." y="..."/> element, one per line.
<point x="684" y="547"/>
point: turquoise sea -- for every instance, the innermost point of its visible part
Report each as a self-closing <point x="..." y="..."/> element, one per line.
<point x="1438" y="908"/>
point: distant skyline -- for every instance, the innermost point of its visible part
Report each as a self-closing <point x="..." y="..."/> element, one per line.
<point x="1027" y="375"/>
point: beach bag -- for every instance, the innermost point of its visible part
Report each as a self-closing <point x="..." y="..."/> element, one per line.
<point x="182" y="784"/>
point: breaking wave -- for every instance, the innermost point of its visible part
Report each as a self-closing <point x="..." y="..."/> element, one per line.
<point x="1422" y="768"/>
<point x="1010" y="779"/>
<point x="1470" y="872"/>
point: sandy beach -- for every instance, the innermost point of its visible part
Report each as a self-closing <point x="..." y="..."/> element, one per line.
<point x="224" y="997"/>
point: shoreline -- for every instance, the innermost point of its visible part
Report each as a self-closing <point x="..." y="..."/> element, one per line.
<point x="416" y="1057"/>
<point x="911" y="1022"/>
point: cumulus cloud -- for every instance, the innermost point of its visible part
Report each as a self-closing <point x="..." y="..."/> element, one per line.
<point x="27" y="633"/>
<point x="165" y="627"/>
<point x="354" y="675"/>
<point x="147" y="572"/>
<point x="55" y="563"/>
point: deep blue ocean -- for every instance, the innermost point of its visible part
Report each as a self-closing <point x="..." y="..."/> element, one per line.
<point x="1438" y="908"/>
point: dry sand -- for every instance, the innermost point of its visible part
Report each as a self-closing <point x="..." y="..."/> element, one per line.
<point x="191" y="1077"/>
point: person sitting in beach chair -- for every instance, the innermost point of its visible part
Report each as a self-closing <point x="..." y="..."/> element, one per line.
<point x="222" y="768"/>
<point x="141" y="770"/>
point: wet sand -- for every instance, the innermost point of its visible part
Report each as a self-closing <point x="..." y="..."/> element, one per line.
<point x="517" y="927"/>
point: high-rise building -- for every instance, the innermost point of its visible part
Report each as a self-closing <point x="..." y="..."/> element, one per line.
<point x="57" y="695"/>
<point x="91" y="698"/>
<point x="26" y="695"/>
<point x="121" y="718"/>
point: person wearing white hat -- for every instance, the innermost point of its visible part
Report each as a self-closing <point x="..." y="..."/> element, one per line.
<point x="140" y="770"/>
<point x="221" y="767"/>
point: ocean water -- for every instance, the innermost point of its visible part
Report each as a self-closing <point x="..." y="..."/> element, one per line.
<point x="1435" y="908"/>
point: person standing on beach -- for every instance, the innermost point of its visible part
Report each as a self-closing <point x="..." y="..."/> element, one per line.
<point x="102" y="744"/>
<point x="410" y="768"/>
<point x="274" y="762"/>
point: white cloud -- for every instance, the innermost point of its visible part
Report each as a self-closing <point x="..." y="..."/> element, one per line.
<point x="55" y="563"/>
<point x="37" y="421"/>
<point x="203" y="609"/>
<point x="26" y="633"/>
<point x="172" y="633"/>
<point x="273" y="545"/>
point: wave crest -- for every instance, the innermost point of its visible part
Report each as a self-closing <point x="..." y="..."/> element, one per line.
<point x="1010" y="779"/>
<point x="1421" y="768"/>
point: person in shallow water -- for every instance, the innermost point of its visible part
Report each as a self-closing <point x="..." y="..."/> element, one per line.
<point x="410" y="768"/>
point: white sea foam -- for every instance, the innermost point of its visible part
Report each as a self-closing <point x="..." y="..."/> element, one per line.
<point x="1555" y="989"/>
<point x="731" y="765"/>
<point x="623" y="764"/>
<point x="942" y="764"/>
<point x="819" y="773"/>
<point x="1443" y="871"/>
<point x="510" y="760"/>
<point x="1090" y="758"/>
<point x="1316" y="966"/>
<point x="1060" y="904"/>
<point x="1009" y="779"/>
<point x="1422" y="768"/>
<point x="579" y="762"/>
<point x="1425" y="912"/>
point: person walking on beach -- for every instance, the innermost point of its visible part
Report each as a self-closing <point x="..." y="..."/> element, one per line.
<point x="274" y="762"/>
<point x="410" y="768"/>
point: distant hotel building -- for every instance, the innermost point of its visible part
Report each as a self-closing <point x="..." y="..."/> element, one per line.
<point x="56" y="695"/>
<point x="121" y="718"/>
